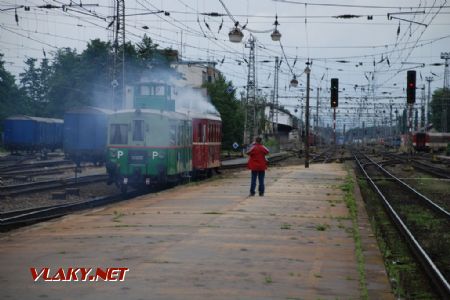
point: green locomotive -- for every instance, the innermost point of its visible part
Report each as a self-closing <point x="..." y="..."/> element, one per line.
<point x="152" y="144"/>
<point x="148" y="146"/>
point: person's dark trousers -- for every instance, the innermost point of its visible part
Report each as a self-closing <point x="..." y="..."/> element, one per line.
<point x="260" y="175"/>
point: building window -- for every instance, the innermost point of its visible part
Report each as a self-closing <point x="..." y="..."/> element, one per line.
<point x="119" y="134"/>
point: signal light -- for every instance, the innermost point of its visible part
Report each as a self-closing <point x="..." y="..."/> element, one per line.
<point x="411" y="87"/>
<point x="334" y="92"/>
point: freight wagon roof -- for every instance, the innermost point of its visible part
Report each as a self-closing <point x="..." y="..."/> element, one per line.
<point x="89" y="110"/>
<point x="37" y="119"/>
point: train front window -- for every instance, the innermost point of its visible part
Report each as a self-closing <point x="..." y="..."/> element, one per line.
<point x="138" y="130"/>
<point x="159" y="90"/>
<point x="119" y="134"/>
<point x="145" y="90"/>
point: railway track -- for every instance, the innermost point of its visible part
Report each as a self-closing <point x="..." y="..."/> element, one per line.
<point x="325" y="156"/>
<point x="420" y="164"/>
<point x="32" y="187"/>
<point x="33" y="165"/>
<point x="423" y="223"/>
<point x="18" y="218"/>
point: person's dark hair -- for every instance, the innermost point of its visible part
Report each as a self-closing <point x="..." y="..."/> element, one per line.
<point x="258" y="140"/>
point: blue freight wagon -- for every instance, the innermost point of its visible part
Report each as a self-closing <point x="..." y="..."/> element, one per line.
<point x="25" y="133"/>
<point x="85" y="133"/>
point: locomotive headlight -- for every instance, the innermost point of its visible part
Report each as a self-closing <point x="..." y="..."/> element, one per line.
<point x="113" y="153"/>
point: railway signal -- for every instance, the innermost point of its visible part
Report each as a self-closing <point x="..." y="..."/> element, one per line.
<point x="334" y="92"/>
<point x="411" y="87"/>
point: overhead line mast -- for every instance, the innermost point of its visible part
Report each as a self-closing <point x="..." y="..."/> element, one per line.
<point x="251" y="128"/>
<point x="118" y="43"/>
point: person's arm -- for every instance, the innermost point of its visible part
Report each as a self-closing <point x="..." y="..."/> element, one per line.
<point x="250" y="149"/>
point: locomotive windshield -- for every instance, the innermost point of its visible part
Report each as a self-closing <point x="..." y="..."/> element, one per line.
<point x="119" y="134"/>
<point x="138" y="130"/>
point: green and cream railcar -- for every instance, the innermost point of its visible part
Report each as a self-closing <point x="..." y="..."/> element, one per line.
<point x="147" y="147"/>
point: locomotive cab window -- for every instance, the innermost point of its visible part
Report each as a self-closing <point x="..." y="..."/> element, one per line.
<point x="119" y="134"/>
<point x="145" y="90"/>
<point x="138" y="130"/>
<point x="173" y="135"/>
<point x="159" y="90"/>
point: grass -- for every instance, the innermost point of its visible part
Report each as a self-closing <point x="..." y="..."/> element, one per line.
<point x="350" y="202"/>
<point x="322" y="227"/>
<point x="285" y="226"/>
<point x="117" y="216"/>
<point x="125" y="225"/>
<point x="268" y="279"/>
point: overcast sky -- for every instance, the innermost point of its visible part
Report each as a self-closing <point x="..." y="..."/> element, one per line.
<point x="344" y="48"/>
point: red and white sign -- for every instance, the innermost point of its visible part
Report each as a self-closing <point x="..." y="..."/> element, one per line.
<point x="79" y="274"/>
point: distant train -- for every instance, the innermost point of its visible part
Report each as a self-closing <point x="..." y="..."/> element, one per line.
<point x="82" y="134"/>
<point x="431" y="141"/>
<point x="393" y="142"/>
<point x="31" y="134"/>
<point x="314" y="138"/>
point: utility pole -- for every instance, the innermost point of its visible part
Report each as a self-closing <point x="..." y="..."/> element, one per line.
<point x="275" y="96"/>
<point x="390" y="120"/>
<point x="251" y="129"/>
<point x="307" y="71"/>
<point x="316" y="125"/>
<point x="422" y="109"/>
<point x="429" y="79"/>
<point x="446" y="57"/>
<point x="118" y="42"/>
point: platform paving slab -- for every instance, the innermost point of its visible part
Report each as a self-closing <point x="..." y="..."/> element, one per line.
<point x="205" y="240"/>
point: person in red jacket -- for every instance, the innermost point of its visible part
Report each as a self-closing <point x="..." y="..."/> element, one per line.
<point x="257" y="163"/>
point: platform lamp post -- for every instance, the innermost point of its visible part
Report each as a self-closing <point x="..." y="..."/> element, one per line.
<point x="307" y="72"/>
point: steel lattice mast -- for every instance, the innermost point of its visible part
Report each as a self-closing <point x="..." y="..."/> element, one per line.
<point x="251" y="129"/>
<point x="118" y="60"/>
<point x="446" y="57"/>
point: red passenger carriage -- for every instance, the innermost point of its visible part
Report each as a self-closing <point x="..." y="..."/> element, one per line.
<point x="206" y="143"/>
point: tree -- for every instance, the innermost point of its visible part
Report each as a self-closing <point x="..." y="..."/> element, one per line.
<point x="29" y="79"/>
<point x="146" y="49"/>
<point x="34" y="82"/>
<point x="95" y="65"/>
<point x="440" y="110"/>
<point x="71" y="79"/>
<point x="66" y="89"/>
<point x="223" y="98"/>
<point x="12" y="99"/>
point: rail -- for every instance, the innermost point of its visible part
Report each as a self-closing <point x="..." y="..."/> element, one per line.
<point x="436" y="276"/>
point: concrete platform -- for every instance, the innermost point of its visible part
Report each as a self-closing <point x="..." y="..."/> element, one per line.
<point x="205" y="240"/>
